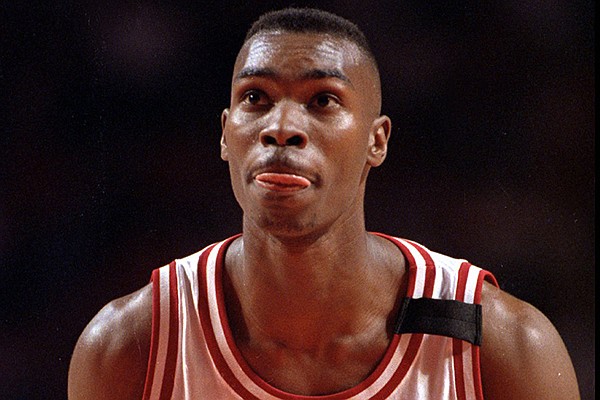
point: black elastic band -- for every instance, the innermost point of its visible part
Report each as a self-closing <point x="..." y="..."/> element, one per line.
<point x="441" y="317"/>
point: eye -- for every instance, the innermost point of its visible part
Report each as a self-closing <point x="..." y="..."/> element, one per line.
<point x="324" y="100"/>
<point x="255" y="98"/>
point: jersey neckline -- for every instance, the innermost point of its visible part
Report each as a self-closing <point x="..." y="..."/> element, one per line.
<point x="246" y="383"/>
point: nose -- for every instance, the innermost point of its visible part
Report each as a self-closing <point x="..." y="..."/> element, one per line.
<point x="286" y="126"/>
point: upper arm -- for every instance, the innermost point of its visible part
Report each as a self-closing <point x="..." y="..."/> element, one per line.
<point x="111" y="356"/>
<point x="522" y="354"/>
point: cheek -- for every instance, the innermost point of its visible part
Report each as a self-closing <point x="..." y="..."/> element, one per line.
<point x="237" y="183"/>
<point x="349" y="155"/>
<point x="347" y="142"/>
<point x="240" y="136"/>
<point x="241" y="121"/>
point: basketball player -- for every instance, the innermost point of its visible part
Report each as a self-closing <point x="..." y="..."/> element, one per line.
<point x="305" y="302"/>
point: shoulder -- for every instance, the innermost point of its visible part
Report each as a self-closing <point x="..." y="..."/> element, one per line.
<point x="522" y="355"/>
<point x="111" y="355"/>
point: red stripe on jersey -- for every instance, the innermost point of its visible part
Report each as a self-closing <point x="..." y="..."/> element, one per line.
<point x="411" y="262"/>
<point x="209" y="332"/>
<point x="477" y="372"/>
<point x="483" y="275"/>
<point x="461" y="285"/>
<point x="457" y="344"/>
<point x="487" y="276"/>
<point x="172" y="345"/>
<point x="459" y="375"/>
<point x="429" y="266"/>
<point x="400" y="373"/>
<point x="429" y="271"/>
<point x="416" y="339"/>
<point x="155" y="333"/>
<point x="223" y="367"/>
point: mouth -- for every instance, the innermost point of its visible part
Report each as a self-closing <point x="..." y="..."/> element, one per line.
<point x="281" y="181"/>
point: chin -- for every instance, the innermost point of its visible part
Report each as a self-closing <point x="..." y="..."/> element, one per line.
<point x="284" y="225"/>
<point x="286" y="229"/>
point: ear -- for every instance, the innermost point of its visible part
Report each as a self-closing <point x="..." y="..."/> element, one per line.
<point x="224" y="153"/>
<point x="378" y="140"/>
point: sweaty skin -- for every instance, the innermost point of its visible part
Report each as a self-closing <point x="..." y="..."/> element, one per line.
<point x="312" y="113"/>
<point x="301" y="133"/>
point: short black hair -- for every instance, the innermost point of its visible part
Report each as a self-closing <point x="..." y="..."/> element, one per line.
<point x="311" y="20"/>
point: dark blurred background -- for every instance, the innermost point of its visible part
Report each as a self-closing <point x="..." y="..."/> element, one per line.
<point x="109" y="154"/>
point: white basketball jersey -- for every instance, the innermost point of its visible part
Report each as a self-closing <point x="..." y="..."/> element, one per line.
<point x="193" y="354"/>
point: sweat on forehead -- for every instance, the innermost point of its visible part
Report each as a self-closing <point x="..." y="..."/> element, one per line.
<point x="319" y="47"/>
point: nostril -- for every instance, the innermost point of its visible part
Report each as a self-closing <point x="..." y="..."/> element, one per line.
<point x="268" y="140"/>
<point x="281" y="140"/>
<point x="294" y="141"/>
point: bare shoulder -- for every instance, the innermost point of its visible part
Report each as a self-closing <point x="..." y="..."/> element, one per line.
<point x="111" y="355"/>
<point x="522" y="354"/>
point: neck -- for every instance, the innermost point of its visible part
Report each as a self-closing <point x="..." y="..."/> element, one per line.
<point x="309" y="292"/>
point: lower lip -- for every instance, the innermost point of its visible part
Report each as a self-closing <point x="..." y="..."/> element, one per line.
<point x="280" y="182"/>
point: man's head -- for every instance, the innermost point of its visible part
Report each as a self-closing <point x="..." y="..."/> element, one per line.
<point x="303" y="127"/>
<point x="311" y="20"/>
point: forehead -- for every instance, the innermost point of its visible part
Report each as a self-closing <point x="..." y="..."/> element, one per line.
<point x="292" y="52"/>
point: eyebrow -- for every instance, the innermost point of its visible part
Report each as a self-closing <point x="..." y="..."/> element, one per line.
<point x="316" y="73"/>
<point x="251" y="72"/>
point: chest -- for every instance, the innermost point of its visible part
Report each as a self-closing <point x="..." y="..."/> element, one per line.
<point x="327" y="370"/>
